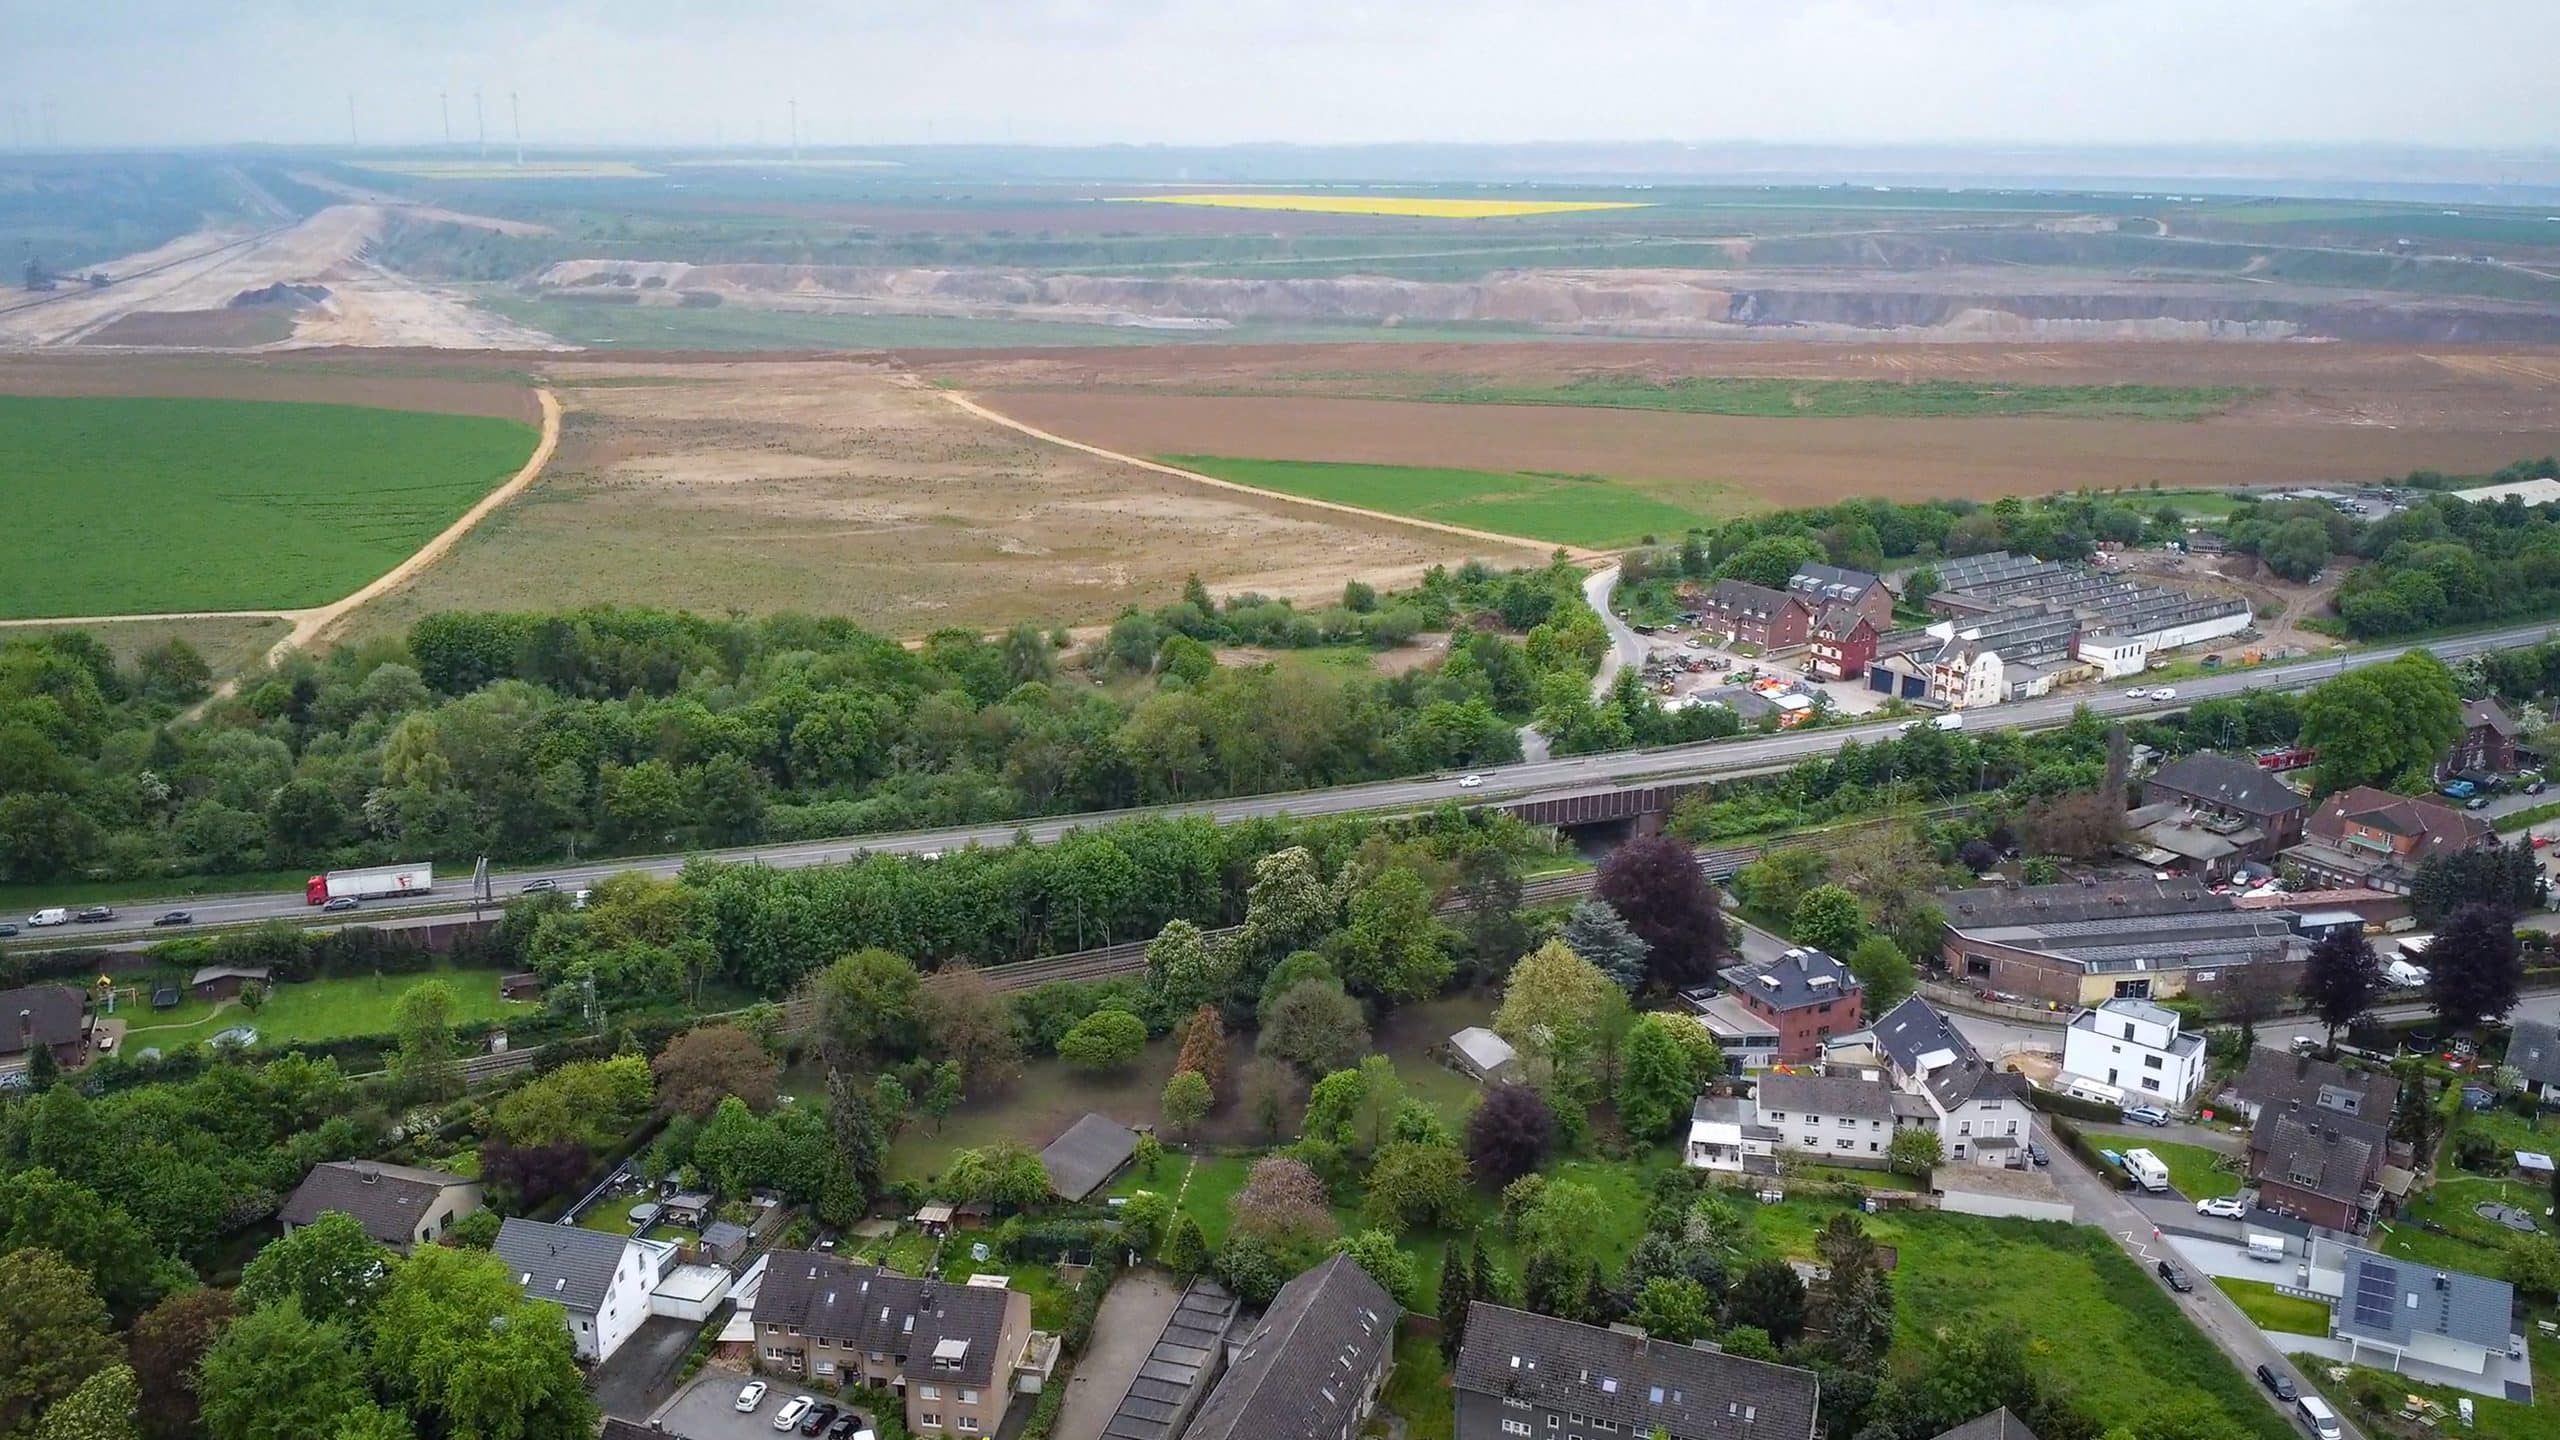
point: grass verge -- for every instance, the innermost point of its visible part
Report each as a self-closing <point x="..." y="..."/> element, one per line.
<point x="2269" y="1310"/>
<point x="2198" y="1173"/>
<point x="1589" y="510"/>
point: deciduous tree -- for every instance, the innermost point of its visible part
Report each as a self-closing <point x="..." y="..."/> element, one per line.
<point x="167" y="1342"/>
<point x="1509" y="1133"/>
<point x="1376" y="1252"/>
<point x="710" y="1063"/>
<point x="1185" y="1102"/>
<point x="1827" y="918"/>
<point x="2383" y="723"/>
<point x="1768" y="1295"/>
<point x="1412" y="1185"/>
<point x="1315" y="1027"/>
<point x="1656" y="1081"/>
<point x="1554" y="1010"/>
<point x="103" y="1408"/>
<point x="1283" y="1202"/>
<point x="1673" y="1309"/>
<point x="1884" y="973"/>
<point x="331" y="1267"/>
<point x="1104" y="1040"/>
<point x="1654" y="885"/>
<point x="968" y="1025"/>
<point x="2474" y="970"/>
<point x="468" y="1353"/>
<point x="1204" y="1047"/>
<point x="277" y="1374"/>
<point x="425" y="1064"/>
<point x="53" y="1334"/>
<point x="868" y="1007"/>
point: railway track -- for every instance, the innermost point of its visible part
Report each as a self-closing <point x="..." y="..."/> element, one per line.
<point x="145" y="273"/>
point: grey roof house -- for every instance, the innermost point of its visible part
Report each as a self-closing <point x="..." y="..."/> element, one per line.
<point x="401" y="1206"/>
<point x="2395" y="1309"/>
<point x="1516" y="1368"/>
<point x="1086" y="1157"/>
<point x="1312" y="1369"/>
<point x="959" y="1352"/>
<point x="2534" y="1054"/>
<point x="603" y="1281"/>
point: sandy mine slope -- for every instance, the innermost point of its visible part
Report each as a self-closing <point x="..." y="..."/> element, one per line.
<point x="206" y="271"/>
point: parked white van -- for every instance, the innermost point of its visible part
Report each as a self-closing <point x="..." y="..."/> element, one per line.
<point x="2315" y="1412"/>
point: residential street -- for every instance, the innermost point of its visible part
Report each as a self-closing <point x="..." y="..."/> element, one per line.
<point x="2102" y="1205"/>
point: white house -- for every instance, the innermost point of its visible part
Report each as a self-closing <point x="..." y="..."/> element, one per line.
<point x="1980" y="1113"/>
<point x="2131" y="1052"/>
<point x="1842" y="1119"/>
<point x="603" y="1281"/>
<point x="1725" y="1134"/>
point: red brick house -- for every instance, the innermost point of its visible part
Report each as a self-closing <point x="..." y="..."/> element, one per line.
<point x="1844" y="641"/>
<point x="2487" y="742"/>
<point x="1748" y="614"/>
<point x="2376" y="840"/>
<point x="1822" y="585"/>
<point x="1806" y="994"/>
<point x="53" y="1016"/>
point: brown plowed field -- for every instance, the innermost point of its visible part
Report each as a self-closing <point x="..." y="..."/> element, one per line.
<point x="2316" y="413"/>
<point x="388" y="385"/>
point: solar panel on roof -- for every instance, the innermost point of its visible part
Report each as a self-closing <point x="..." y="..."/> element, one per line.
<point x="2376" y="1288"/>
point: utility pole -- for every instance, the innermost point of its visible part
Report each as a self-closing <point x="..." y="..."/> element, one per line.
<point x="444" y="111"/>
<point x="352" y="142"/>
<point x="480" y="122"/>
<point x="795" y="130"/>
<point x="517" y="111"/>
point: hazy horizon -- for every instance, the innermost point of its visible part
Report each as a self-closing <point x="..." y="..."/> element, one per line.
<point x="2039" y="75"/>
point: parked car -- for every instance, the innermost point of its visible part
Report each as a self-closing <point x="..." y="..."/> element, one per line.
<point x="2038" y="1156"/>
<point x="788" y="1417"/>
<point x="2223" y="1207"/>
<point x="176" y="917"/>
<point x="2277" y="1385"/>
<point x="2460" y="790"/>
<point x="2175" y="1276"/>
<point x="845" y="1426"/>
<point x="819" y="1419"/>
<point x="96" y="914"/>
<point x="750" y="1395"/>
<point x="340" y="904"/>
<point x="2536" y="785"/>
<point x="2476" y="802"/>
<point x="2146" y="1115"/>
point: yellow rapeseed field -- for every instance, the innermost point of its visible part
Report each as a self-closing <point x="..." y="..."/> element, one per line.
<point x="1422" y="205"/>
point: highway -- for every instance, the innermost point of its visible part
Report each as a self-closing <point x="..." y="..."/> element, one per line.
<point x="1528" y="780"/>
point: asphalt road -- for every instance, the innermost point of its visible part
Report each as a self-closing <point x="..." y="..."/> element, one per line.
<point x="1534" y="779"/>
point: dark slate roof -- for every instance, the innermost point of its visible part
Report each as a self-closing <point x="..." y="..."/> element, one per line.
<point x="1831" y="582"/>
<point x="1091" y="1150"/>
<point x="1998" y="1425"/>
<point x="1743" y="597"/>
<point x="1637" y="1382"/>
<point x="1973" y="1078"/>
<point x="560" y="1263"/>
<point x="2486" y="711"/>
<point x="2276" y="1080"/>
<point x="2231" y="783"/>
<point x="1301" y="1371"/>
<point x="387" y="1200"/>
<point x="1913" y="1029"/>
<point x="2396" y="1300"/>
<point x="2535" y="1051"/>
<point x="869" y="1308"/>
<point x="1838" y="620"/>
<point x="2322" y="1153"/>
<point x="259" y="973"/>
<point x="1799" y="977"/>
<point x="723" y="1234"/>
<point x="1168" y="1383"/>
<point x="1826" y="1095"/>
<point x="53" y="1017"/>
<point x="2000" y="905"/>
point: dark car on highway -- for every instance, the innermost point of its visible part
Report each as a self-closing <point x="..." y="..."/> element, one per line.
<point x="176" y="917"/>
<point x="2176" y="1276"/>
<point x="96" y="914"/>
<point x="819" y="1419"/>
<point x="2277" y="1385"/>
<point x="7" y="930"/>
<point x="537" y="887"/>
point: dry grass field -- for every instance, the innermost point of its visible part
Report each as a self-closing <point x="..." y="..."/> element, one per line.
<point x="2306" y="413"/>
<point x="839" y="487"/>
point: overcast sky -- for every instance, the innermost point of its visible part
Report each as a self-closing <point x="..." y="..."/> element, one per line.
<point x="2425" y="72"/>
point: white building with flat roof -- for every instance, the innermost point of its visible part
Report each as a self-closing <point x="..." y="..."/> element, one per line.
<point x="2131" y="1052"/>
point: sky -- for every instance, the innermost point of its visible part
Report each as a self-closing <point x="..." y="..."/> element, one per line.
<point x="2457" y="73"/>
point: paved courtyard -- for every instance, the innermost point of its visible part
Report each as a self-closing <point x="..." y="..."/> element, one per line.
<point x="1133" y="1314"/>
<point x="707" y="1410"/>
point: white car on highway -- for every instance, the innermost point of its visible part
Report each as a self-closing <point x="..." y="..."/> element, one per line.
<point x="2223" y="1207"/>
<point x="750" y="1395"/>
<point x="1470" y="782"/>
<point x="2138" y="692"/>
<point x="2164" y="693"/>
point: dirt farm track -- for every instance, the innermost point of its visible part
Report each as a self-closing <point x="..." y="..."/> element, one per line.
<point x="2308" y="413"/>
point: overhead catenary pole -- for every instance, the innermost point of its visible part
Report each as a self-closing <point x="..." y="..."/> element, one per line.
<point x="517" y="111"/>
<point x="444" y="111"/>
<point x="795" y="131"/>
<point x="480" y="122"/>
<point x="352" y="142"/>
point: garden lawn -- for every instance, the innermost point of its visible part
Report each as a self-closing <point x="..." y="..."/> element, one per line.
<point x="1590" y="510"/>
<point x="2197" y="1172"/>
<point x="1205" y="1183"/>
<point x="309" y="1011"/>
<point x="612" y="1216"/>
<point x="133" y="505"/>
<point x="1418" y="1392"/>
<point x="2510" y="1132"/>
<point x="2094" y="1323"/>
<point x="2497" y="1419"/>
<point x="2468" y="1242"/>
<point x="2270" y="1310"/>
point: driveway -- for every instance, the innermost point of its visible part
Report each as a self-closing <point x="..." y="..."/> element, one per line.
<point x="708" y="1409"/>
<point x="642" y="1373"/>
<point x="1124" y="1333"/>
<point x="2106" y="1207"/>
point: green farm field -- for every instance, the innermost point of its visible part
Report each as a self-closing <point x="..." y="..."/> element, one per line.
<point x="1588" y="510"/>
<point x="151" y="505"/>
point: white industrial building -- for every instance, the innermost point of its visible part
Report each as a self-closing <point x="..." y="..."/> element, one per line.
<point x="2131" y="1052"/>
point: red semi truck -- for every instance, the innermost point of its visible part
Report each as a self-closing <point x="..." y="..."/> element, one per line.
<point x="369" y="884"/>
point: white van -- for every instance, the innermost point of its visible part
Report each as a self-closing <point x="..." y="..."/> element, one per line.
<point x="2315" y="1412"/>
<point x="54" y="916"/>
